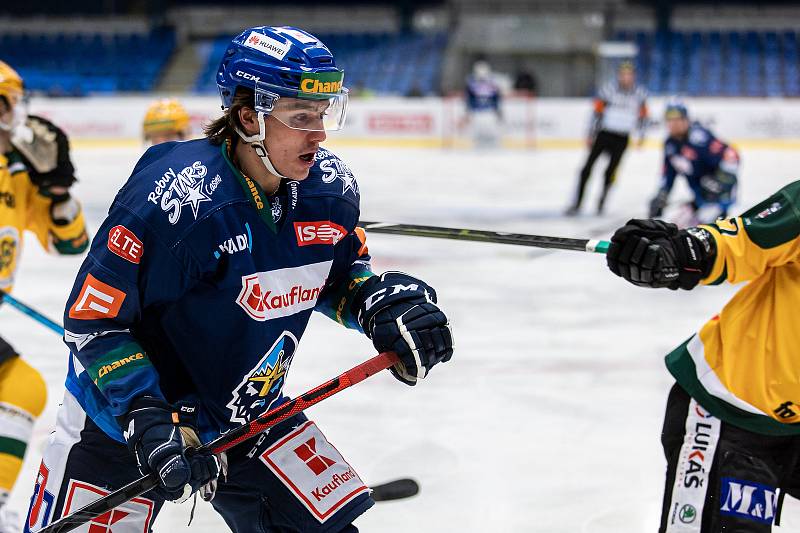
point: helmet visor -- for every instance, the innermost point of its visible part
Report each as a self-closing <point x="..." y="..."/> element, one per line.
<point x="306" y="110"/>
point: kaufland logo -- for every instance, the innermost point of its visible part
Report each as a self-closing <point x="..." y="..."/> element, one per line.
<point x="337" y="480"/>
<point x="307" y="452"/>
<point x="282" y="292"/>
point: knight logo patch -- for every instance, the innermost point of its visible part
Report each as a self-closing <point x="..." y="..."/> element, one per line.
<point x="261" y="386"/>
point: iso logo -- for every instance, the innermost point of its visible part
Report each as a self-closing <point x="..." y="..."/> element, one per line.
<point x="687" y="514"/>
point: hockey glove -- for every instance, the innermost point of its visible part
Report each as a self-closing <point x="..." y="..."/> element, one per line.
<point x="158" y="434"/>
<point x="64" y="209"/>
<point x="652" y="253"/>
<point x="399" y="313"/>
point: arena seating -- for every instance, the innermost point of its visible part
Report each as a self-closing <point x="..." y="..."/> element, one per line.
<point x="714" y="63"/>
<point x="382" y="63"/>
<point x="80" y="64"/>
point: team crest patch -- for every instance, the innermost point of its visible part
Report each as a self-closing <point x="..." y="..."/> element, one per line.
<point x="261" y="386"/>
<point x="9" y="242"/>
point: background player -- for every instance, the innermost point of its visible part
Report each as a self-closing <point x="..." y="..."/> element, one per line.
<point x="187" y="313"/>
<point x="165" y="120"/>
<point x="709" y="165"/>
<point x="620" y="107"/>
<point x="35" y="176"/>
<point x="483" y="99"/>
<point x="731" y="434"/>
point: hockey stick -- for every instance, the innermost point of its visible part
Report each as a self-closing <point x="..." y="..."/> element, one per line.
<point x="395" y="490"/>
<point x="460" y="234"/>
<point x="231" y="438"/>
<point x="31" y="312"/>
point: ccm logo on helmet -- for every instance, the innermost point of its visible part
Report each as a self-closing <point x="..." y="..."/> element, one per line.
<point x="247" y="76"/>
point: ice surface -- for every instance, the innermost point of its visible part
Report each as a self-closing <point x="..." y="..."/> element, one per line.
<point x="549" y="415"/>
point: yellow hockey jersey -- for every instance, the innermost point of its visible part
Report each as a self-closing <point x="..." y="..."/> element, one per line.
<point x="22" y="208"/>
<point x="743" y="365"/>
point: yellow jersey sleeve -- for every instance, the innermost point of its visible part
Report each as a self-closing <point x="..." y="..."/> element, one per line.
<point x="69" y="238"/>
<point x="763" y="237"/>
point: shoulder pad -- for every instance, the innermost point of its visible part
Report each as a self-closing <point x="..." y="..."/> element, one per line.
<point x="331" y="175"/>
<point x="176" y="185"/>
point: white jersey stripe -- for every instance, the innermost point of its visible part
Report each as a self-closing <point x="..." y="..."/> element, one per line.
<point x="710" y="381"/>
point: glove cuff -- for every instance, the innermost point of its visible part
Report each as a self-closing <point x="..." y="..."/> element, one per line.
<point x="698" y="251"/>
<point x="144" y="413"/>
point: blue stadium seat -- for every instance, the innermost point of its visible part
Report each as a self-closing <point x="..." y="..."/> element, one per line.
<point x="386" y="63"/>
<point x="713" y="63"/>
<point x="82" y="63"/>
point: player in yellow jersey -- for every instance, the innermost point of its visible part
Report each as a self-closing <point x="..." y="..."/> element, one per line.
<point x="35" y="177"/>
<point x="165" y="120"/>
<point x="732" y="425"/>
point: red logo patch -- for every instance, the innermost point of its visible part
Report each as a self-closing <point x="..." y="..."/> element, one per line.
<point x="125" y="244"/>
<point x="307" y="452"/>
<point x="96" y="300"/>
<point x="320" y="232"/>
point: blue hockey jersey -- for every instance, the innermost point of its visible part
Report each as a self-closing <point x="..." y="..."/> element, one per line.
<point x="198" y="286"/>
<point x="698" y="157"/>
<point x="482" y="95"/>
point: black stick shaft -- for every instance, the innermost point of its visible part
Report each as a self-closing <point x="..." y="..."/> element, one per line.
<point x="463" y="234"/>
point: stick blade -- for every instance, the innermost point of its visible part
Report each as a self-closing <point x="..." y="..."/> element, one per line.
<point x="395" y="490"/>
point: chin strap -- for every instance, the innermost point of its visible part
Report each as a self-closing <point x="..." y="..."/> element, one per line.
<point x="257" y="142"/>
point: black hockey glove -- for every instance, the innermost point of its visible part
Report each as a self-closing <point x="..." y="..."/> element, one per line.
<point x="652" y="253"/>
<point x="158" y="434"/>
<point x="399" y="313"/>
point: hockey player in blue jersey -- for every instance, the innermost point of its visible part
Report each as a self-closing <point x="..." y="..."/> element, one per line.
<point x="483" y="100"/>
<point x="709" y="165"/>
<point x="184" y="319"/>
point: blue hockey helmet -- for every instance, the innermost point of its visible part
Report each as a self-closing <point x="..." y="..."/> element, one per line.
<point x="287" y="62"/>
<point x="676" y="109"/>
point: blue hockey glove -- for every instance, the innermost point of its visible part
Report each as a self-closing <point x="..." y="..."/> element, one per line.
<point x="158" y="434"/>
<point x="652" y="253"/>
<point x="399" y="313"/>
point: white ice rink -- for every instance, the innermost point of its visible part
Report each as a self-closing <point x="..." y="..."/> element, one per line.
<point x="548" y="417"/>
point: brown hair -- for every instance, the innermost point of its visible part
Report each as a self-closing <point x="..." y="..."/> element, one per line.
<point x="223" y="127"/>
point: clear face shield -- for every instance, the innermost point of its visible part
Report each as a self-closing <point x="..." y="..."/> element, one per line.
<point x="15" y="112"/>
<point x="319" y="105"/>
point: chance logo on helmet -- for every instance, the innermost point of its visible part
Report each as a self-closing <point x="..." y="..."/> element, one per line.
<point x="323" y="82"/>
